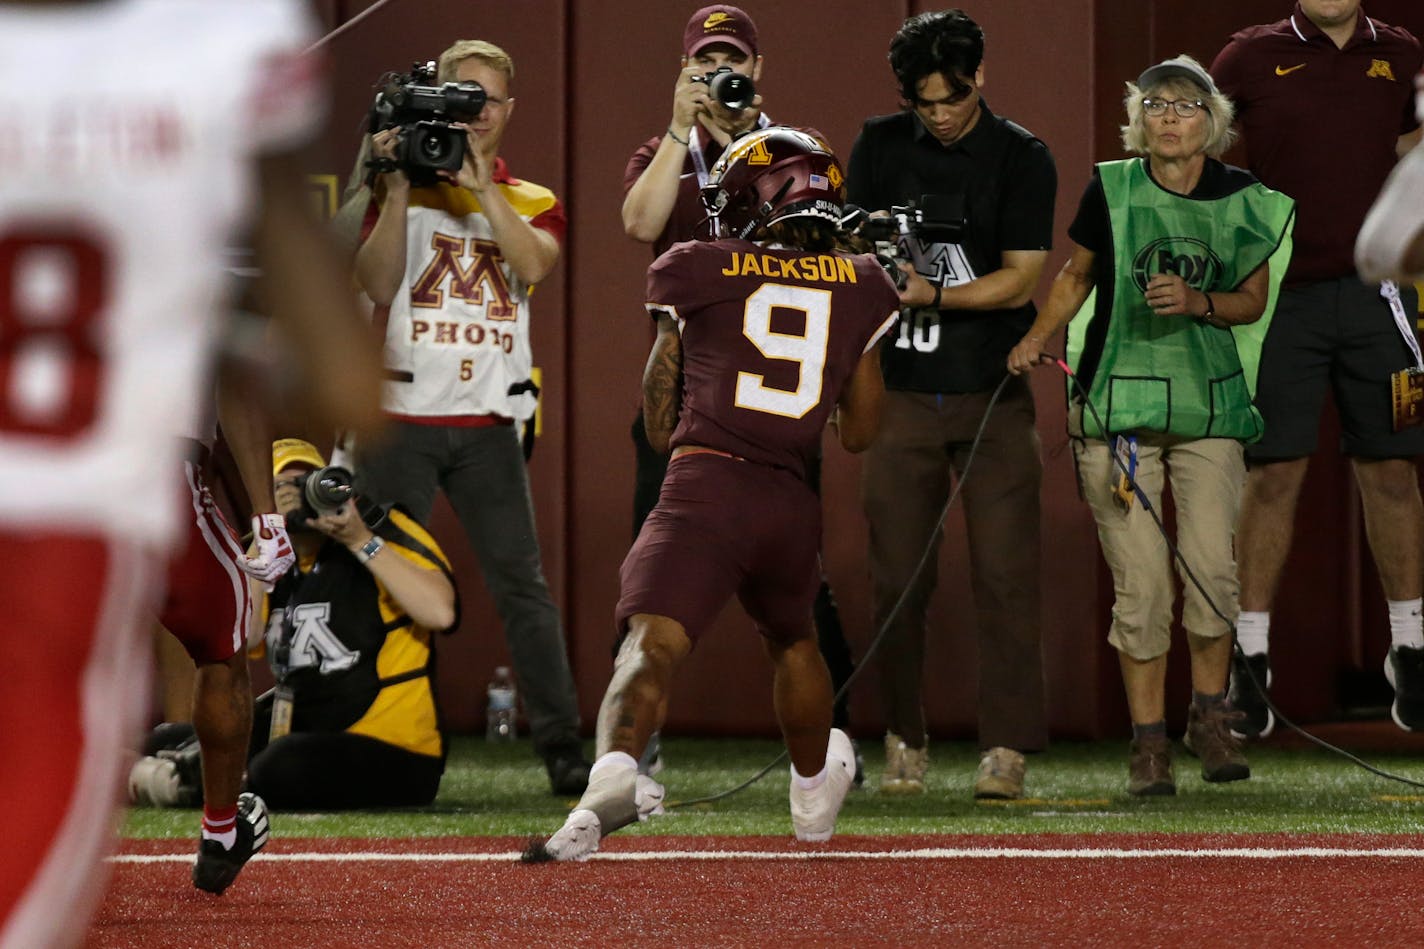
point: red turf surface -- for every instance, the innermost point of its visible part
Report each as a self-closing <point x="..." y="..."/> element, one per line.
<point x="1030" y="902"/>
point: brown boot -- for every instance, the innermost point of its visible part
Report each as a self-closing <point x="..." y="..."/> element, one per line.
<point x="1149" y="771"/>
<point x="1209" y="738"/>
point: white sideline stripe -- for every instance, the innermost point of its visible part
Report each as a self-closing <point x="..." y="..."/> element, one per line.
<point x="931" y="853"/>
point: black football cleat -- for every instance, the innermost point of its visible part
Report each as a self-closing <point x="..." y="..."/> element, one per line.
<point x="1250" y="678"/>
<point x="216" y="867"/>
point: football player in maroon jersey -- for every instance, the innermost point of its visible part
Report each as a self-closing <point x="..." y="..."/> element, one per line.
<point x="764" y="336"/>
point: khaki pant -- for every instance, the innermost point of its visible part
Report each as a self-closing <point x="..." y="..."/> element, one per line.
<point x="1206" y="476"/>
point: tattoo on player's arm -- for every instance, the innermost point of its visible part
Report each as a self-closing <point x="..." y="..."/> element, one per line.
<point x="662" y="385"/>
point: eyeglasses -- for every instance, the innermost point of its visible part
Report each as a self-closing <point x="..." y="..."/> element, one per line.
<point x="1185" y="108"/>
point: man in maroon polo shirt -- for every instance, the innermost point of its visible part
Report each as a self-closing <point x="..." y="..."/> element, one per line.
<point x="1325" y="104"/>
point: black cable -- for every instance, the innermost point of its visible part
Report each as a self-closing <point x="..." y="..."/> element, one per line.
<point x="894" y="610"/>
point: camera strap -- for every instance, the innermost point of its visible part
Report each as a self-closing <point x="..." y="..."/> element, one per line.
<point x="379" y="166"/>
<point x="699" y="157"/>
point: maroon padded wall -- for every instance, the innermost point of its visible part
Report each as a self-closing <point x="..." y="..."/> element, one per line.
<point x="594" y="80"/>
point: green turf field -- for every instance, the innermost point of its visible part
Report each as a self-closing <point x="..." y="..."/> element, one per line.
<point x="1075" y="788"/>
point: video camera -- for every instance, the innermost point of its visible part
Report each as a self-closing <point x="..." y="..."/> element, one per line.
<point x="425" y="114"/>
<point x="936" y="218"/>
<point x="324" y="491"/>
<point x="734" y="90"/>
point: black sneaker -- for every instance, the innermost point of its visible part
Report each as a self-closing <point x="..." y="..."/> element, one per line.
<point x="216" y="867"/>
<point x="568" y="771"/>
<point x="1404" y="668"/>
<point x="1250" y="678"/>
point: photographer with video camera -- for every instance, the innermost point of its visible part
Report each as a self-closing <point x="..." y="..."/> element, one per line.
<point x="454" y="254"/>
<point x="967" y="301"/>
<point x="714" y="101"/>
<point x="349" y="633"/>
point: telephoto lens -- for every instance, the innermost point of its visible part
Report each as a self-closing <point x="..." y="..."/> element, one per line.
<point x="326" y="489"/>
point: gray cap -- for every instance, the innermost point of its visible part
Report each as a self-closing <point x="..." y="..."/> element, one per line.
<point x="1179" y="66"/>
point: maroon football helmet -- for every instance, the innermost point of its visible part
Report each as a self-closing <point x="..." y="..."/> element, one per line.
<point x="769" y="176"/>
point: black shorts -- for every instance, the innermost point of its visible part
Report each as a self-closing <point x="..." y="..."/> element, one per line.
<point x="726" y="527"/>
<point x="1338" y="334"/>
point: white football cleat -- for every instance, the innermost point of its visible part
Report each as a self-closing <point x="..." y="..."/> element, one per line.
<point x="578" y="839"/>
<point x="649" y="797"/>
<point x="814" y="811"/>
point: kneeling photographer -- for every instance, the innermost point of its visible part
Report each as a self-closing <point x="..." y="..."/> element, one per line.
<point x="349" y="633"/>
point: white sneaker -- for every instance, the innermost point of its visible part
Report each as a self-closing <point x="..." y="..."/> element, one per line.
<point x="154" y="782"/>
<point x="648" y="797"/>
<point x="578" y="839"/>
<point x="814" y="811"/>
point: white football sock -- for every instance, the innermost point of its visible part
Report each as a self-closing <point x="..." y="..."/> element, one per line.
<point x="807" y="784"/>
<point x="1253" y="632"/>
<point x="1406" y="628"/>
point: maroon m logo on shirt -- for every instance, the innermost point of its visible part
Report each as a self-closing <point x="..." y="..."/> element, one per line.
<point x="469" y="281"/>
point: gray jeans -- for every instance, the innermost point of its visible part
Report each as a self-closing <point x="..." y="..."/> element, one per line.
<point x="482" y="472"/>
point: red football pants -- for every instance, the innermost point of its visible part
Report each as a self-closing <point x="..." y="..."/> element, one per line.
<point x="75" y="684"/>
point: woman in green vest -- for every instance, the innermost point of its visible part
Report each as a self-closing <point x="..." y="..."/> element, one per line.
<point x="1169" y="290"/>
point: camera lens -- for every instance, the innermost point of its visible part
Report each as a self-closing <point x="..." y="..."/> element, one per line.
<point x="733" y="90"/>
<point x="434" y="149"/>
<point x="326" y="489"/>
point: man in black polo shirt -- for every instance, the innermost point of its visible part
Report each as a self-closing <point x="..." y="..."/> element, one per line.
<point x="1328" y="75"/>
<point x="966" y="305"/>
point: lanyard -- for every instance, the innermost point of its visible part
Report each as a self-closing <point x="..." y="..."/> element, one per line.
<point x="1390" y="291"/>
<point x="699" y="160"/>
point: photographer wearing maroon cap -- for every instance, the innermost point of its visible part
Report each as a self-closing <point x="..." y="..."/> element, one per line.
<point x="660" y="204"/>
<point x="661" y="207"/>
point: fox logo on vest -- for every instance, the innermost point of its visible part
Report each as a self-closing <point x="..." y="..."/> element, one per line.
<point x="467" y="283"/>
<point x="314" y="644"/>
<point x="1192" y="260"/>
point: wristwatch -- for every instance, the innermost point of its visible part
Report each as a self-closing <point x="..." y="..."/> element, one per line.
<point x="370" y="549"/>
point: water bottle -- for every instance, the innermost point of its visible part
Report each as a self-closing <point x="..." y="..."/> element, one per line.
<point x="499" y="716"/>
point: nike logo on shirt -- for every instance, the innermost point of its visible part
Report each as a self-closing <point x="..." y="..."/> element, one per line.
<point x="1286" y="70"/>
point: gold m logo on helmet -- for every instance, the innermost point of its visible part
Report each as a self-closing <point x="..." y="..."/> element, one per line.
<point x="834" y="176"/>
<point x="1380" y="68"/>
<point x="715" y="20"/>
<point x="758" y="153"/>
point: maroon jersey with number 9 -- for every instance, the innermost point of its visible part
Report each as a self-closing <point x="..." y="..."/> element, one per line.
<point x="770" y="337"/>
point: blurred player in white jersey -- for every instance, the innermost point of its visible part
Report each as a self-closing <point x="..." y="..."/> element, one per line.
<point x="1391" y="243"/>
<point x="145" y="135"/>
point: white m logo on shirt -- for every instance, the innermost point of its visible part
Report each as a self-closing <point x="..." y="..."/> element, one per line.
<point x="314" y="644"/>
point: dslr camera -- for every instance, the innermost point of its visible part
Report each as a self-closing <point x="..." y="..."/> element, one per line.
<point x="425" y="114"/>
<point x="936" y="218"/>
<point x="734" y="90"/>
<point x="324" y="491"/>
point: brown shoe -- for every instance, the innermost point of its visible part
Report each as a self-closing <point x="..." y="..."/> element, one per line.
<point x="1149" y="771"/>
<point x="1209" y="738"/>
<point x="1000" y="775"/>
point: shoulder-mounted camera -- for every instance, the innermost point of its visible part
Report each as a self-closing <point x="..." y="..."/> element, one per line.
<point x="425" y="114"/>
<point x="936" y="218"/>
